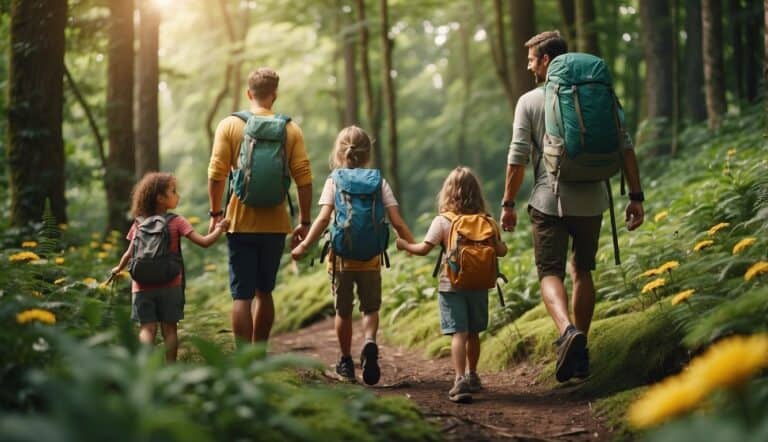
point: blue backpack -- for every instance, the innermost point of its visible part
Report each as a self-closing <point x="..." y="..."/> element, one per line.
<point x="360" y="230"/>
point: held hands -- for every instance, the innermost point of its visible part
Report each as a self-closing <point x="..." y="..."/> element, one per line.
<point x="299" y="251"/>
<point x="299" y="233"/>
<point x="222" y="225"/>
<point x="214" y="222"/>
<point x="401" y="244"/>
<point x="634" y="215"/>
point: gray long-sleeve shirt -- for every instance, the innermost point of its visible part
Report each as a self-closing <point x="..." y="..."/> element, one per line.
<point x="576" y="199"/>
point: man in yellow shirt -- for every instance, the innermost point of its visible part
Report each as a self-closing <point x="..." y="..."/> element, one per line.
<point x="256" y="236"/>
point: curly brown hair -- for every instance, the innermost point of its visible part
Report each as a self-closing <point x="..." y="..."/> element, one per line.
<point x="461" y="193"/>
<point x="145" y="193"/>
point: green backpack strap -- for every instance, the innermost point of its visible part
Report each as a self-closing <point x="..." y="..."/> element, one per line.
<point x="243" y="115"/>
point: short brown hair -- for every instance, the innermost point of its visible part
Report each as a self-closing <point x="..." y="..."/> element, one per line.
<point x="549" y="43"/>
<point x="263" y="82"/>
<point x="146" y="191"/>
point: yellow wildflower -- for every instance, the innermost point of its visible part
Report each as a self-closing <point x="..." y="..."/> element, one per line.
<point x="102" y="255"/>
<point x="194" y="220"/>
<point x="29" y="244"/>
<point x="653" y="285"/>
<point x="651" y="272"/>
<point x="717" y="227"/>
<point x="683" y="296"/>
<point x="63" y="226"/>
<point x="95" y="244"/>
<point x="60" y="281"/>
<point x="660" y="216"/>
<point x="90" y="282"/>
<point x="24" y="257"/>
<point x="668" y="266"/>
<point x="107" y="246"/>
<point x="756" y="269"/>
<point x="36" y="314"/>
<point x="731" y="152"/>
<point x="743" y="244"/>
<point x="58" y="260"/>
<point x="37" y="294"/>
<point x="96" y="235"/>
<point x="731" y="361"/>
<point x="124" y="274"/>
<point x="702" y="245"/>
<point x="669" y="398"/>
<point x="210" y="268"/>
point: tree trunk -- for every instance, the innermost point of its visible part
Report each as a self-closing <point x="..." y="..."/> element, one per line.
<point x="148" y="125"/>
<point x="370" y="112"/>
<point x="568" y="10"/>
<point x="461" y="144"/>
<point x="712" y="47"/>
<point x="765" y="55"/>
<point x="586" y="32"/>
<point x="657" y="27"/>
<point x="695" y="104"/>
<point x="499" y="52"/>
<point x="522" y="24"/>
<point x="388" y="90"/>
<point x="121" y="163"/>
<point x="238" y="91"/>
<point x="752" y="51"/>
<point x="35" y="99"/>
<point x="736" y="22"/>
<point x="350" y="74"/>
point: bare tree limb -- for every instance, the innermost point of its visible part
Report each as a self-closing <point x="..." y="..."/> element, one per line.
<point x="88" y="115"/>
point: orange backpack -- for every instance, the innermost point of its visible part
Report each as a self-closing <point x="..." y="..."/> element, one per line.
<point x="470" y="261"/>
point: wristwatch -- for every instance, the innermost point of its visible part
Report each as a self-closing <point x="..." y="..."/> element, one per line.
<point x="637" y="196"/>
<point x="213" y="214"/>
<point x="508" y="204"/>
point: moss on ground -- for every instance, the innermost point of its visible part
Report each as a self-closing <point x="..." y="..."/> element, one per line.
<point x="613" y="410"/>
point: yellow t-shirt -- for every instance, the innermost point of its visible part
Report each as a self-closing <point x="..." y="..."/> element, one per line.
<point x="226" y="148"/>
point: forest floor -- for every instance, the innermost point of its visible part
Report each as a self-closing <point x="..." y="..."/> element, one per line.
<point x="513" y="405"/>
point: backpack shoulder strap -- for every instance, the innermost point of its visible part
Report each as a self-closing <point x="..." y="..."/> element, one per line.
<point x="243" y="115"/>
<point x="283" y="117"/>
<point x="450" y="215"/>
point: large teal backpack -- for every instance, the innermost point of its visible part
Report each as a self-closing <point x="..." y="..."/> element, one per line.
<point x="583" y="118"/>
<point x="261" y="178"/>
<point x="360" y="230"/>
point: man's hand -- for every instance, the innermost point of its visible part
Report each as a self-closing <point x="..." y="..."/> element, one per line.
<point x="215" y="220"/>
<point x="634" y="215"/>
<point x="400" y="243"/>
<point x="299" y="233"/>
<point x="508" y="219"/>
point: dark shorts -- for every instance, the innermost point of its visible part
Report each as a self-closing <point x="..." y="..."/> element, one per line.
<point x="463" y="311"/>
<point x="368" y="284"/>
<point x="164" y="304"/>
<point x="550" y="242"/>
<point x="254" y="259"/>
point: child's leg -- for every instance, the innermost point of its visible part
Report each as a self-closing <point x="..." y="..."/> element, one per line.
<point x="343" y="326"/>
<point x="147" y="333"/>
<point x="473" y="351"/>
<point x="459" y="353"/>
<point x="369" y="293"/>
<point x="171" y="340"/>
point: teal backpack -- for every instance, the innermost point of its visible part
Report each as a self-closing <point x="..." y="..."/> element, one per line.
<point x="261" y="178"/>
<point x="583" y="119"/>
<point x="359" y="230"/>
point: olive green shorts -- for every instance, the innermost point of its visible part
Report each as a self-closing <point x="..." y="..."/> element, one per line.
<point x="368" y="284"/>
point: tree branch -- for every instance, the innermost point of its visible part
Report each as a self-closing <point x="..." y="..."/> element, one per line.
<point x="88" y="115"/>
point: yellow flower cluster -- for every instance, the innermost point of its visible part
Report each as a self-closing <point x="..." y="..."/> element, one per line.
<point x="731" y="152"/>
<point x="29" y="244"/>
<point x="756" y="269"/>
<point x="107" y="246"/>
<point x="210" y="268"/>
<point x="661" y="216"/>
<point x="63" y="226"/>
<point x="36" y="314"/>
<point x="90" y="282"/>
<point x="717" y="227"/>
<point x="743" y="244"/>
<point x="58" y="260"/>
<point x="194" y="220"/>
<point x="24" y="257"/>
<point x="668" y="266"/>
<point x="701" y="245"/>
<point x="683" y="296"/>
<point x="727" y="363"/>
<point x="651" y="272"/>
<point x="653" y="285"/>
<point x="60" y="281"/>
<point x="102" y="255"/>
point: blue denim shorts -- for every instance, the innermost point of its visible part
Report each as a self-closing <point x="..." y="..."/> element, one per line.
<point x="254" y="259"/>
<point x="463" y="311"/>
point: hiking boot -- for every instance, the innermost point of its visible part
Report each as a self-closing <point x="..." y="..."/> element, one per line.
<point x="460" y="392"/>
<point x="346" y="369"/>
<point x="570" y="346"/>
<point x="473" y="381"/>
<point x="369" y="361"/>
<point x="581" y="370"/>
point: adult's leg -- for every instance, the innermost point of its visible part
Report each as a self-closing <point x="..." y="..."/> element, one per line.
<point x="473" y="351"/>
<point x="171" y="340"/>
<point x="343" y="326"/>
<point x="556" y="301"/>
<point x="147" y="332"/>
<point x="263" y="310"/>
<point x="583" y="299"/>
<point x="242" y="323"/>
<point x="586" y="234"/>
<point x="371" y="325"/>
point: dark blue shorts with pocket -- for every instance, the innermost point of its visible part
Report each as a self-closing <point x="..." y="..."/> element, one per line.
<point x="254" y="259"/>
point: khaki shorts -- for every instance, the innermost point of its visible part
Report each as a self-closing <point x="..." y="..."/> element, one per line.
<point x="368" y="291"/>
<point x="550" y="242"/>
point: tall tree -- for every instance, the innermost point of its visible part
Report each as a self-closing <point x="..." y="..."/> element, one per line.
<point x="568" y="10"/>
<point x="147" y="127"/>
<point x="499" y="51"/>
<point x="35" y="98"/>
<point x="466" y="77"/>
<point x="752" y="50"/>
<point x="765" y="55"/>
<point x="523" y="26"/>
<point x="695" y="105"/>
<point x="121" y="163"/>
<point x="656" y="35"/>
<point x="586" y="27"/>
<point x="712" y="47"/>
<point x="347" y="37"/>
<point x="373" y="122"/>
<point x="736" y="25"/>
<point x="388" y="91"/>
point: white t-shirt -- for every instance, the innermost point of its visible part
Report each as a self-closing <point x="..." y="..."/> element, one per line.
<point x="438" y="235"/>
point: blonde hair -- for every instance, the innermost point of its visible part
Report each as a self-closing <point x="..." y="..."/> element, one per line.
<point x="146" y="191"/>
<point x="263" y="82"/>
<point x="461" y="193"/>
<point x="352" y="148"/>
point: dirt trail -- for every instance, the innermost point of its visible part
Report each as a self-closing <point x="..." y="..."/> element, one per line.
<point x="511" y="407"/>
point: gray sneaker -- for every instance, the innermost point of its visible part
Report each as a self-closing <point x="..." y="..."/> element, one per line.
<point x="473" y="380"/>
<point x="460" y="392"/>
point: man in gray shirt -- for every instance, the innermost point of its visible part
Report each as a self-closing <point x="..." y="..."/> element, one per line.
<point x="576" y="212"/>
